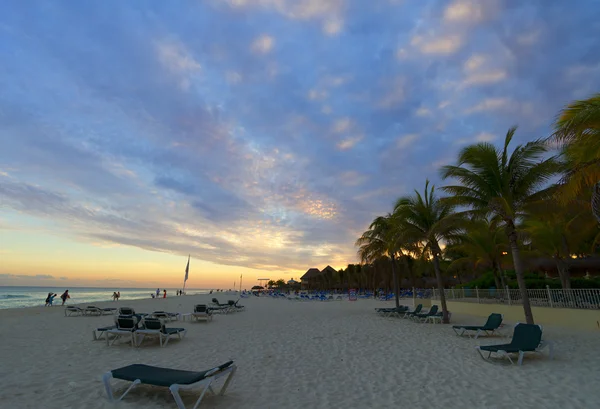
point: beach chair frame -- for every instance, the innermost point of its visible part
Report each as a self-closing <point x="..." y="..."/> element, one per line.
<point x="163" y="332"/>
<point x="521" y="353"/>
<point x="478" y="330"/>
<point x="99" y="333"/>
<point x="205" y="384"/>
<point x="198" y="314"/>
<point x="118" y="332"/>
<point x="72" y="311"/>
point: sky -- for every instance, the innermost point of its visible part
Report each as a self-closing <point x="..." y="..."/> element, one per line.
<point x="259" y="136"/>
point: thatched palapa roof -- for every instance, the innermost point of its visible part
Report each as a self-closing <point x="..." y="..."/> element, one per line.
<point x="310" y="273"/>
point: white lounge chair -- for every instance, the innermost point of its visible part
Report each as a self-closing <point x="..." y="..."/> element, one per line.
<point x="202" y="312"/>
<point x="98" y="333"/>
<point x="72" y="311"/>
<point x="166" y="316"/>
<point x="92" y="310"/>
<point x="174" y="379"/>
<point x="126" y="326"/>
<point x="154" y="327"/>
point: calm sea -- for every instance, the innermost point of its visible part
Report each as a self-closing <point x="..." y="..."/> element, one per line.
<point x="18" y="297"/>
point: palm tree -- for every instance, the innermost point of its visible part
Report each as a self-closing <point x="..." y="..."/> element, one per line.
<point x="493" y="183"/>
<point x="426" y="220"/>
<point x="381" y="240"/>
<point x="481" y="244"/>
<point x="577" y="130"/>
<point x="558" y="230"/>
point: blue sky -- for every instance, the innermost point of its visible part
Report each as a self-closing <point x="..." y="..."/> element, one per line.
<point x="264" y="133"/>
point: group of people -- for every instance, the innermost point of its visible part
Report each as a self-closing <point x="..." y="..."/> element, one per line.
<point x="116" y="295"/>
<point x="50" y="298"/>
<point x="179" y="292"/>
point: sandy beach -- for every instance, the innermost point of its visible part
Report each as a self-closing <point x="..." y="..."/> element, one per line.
<point x="291" y="355"/>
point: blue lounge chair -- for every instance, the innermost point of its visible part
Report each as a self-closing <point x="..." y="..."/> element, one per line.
<point x="155" y="327"/>
<point x="526" y="338"/>
<point x="416" y="311"/>
<point x="71" y="310"/>
<point x="423" y="317"/>
<point x="202" y="312"/>
<point x="492" y="324"/>
<point x="174" y="379"/>
<point x="126" y="326"/>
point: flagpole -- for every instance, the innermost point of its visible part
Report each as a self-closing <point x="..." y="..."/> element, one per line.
<point x="240" y="283"/>
<point x="187" y="269"/>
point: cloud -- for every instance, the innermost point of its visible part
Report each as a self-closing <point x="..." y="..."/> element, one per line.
<point x="406" y="140"/>
<point x="446" y="44"/>
<point x="470" y="11"/>
<point x="263" y="44"/>
<point x="489" y="104"/>
<point x="265" y="133"/>
<point x="27" y="277"/>
<point x="348" y="143"/>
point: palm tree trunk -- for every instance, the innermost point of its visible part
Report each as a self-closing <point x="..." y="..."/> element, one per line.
<point x="498" y="267"/>
<point x="516" y="256"/>
<point x="596" y="201"/>
<point x="395" y="276"/>
<point x="440" y="284"/>
<point x="563" y="273"/>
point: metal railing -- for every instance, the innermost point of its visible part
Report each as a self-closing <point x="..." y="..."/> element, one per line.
<point x="584" y="298"/>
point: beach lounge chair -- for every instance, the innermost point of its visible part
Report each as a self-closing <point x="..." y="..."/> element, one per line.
<point x="127" y="325"/>
<point x="92" y="310"/>
<point x="167" y="316"/>
<point x="174" y="379"/>
<point x="526" y="338"/>
<point x="417" y="310"/>
<point x="98" y="333"/>
<point x="202" y="312"/>
<point x="423" y="317"/>
<point x="126" y="311"/>
<point x="234" y="305"/>
<point x="388" y="312"/>
<point x="218" y="308"/>
<point x="154" y="327"/>
<point x="492" y="324"/>
<point x="71" y="310"/>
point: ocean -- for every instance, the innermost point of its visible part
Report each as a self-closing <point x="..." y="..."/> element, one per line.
<point x="19" y="297"/>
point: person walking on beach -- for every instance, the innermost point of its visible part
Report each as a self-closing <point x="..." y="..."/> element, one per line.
<point x="165" y="294"/>
<point x="65" y="296"/>
<point x="157" y="292"/>
<point x="50" y="299"/>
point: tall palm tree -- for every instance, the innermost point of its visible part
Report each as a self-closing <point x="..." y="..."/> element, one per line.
<point x="427" y="220"/>
<point x="578" y="132"/>
<point x="381" y="240"/>
<point x="494" y="183"/>
<point x="481" y="244"/>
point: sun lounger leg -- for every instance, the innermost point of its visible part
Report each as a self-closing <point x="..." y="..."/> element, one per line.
<point x="227" y="381"/>
<point x="477" y="333"/>
<point x="550" y="346"/>
<point x="520" y="361"/>
<point x="106" y="379"/>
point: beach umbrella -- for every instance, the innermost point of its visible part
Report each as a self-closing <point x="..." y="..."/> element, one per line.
<point x="258" y="287"/>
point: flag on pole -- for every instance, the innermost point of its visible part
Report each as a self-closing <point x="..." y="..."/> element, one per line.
<point x="187" y="269"/>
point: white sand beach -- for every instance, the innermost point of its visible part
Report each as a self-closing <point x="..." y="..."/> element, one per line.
<point x="292" y="355"/>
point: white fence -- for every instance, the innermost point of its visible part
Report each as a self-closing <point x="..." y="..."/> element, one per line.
<point x="573" y="298"/>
